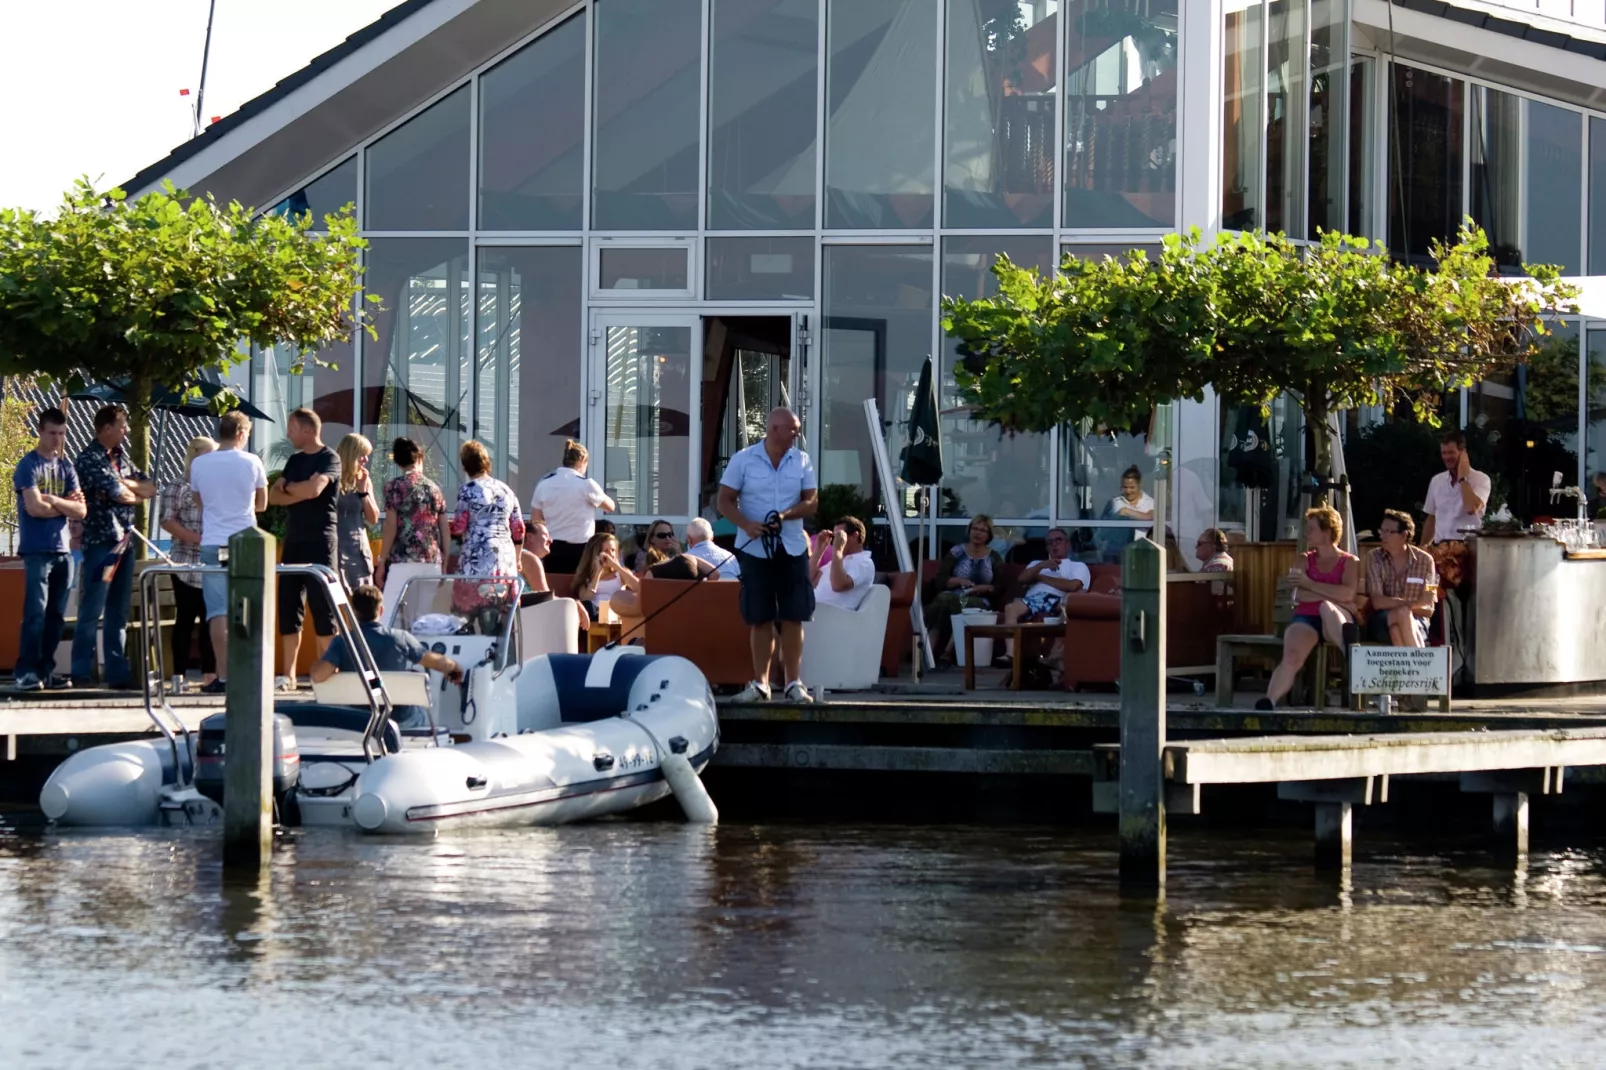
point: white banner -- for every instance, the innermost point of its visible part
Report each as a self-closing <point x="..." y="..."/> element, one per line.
<point x="1399" y="670"/>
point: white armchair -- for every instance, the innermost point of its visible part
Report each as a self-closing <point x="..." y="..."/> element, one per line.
<point x="842" y="647"/>
<point x="551" y="628"/>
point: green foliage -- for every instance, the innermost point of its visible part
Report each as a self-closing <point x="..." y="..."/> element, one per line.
<point x="838" y="500"/>
<point x="275" y="518"/>
<point x="1338" y="324"/>
<point x="155" y="291"/>
<point x="15" y="442"/>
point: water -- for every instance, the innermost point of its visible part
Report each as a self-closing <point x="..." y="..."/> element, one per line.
<point x="659" y="945"/>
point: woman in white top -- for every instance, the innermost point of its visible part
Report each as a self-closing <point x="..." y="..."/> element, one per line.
<point x="599" y="575"/>
<point x="567" y="502"/>
<point x="1132" y="503"/>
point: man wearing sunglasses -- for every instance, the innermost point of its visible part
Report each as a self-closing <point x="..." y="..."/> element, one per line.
<point x="1048" y="582"/>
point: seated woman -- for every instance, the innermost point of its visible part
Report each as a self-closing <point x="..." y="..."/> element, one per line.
<point x="532" y="564"/>
<point x="968" y="578"/>
<point x="1326" y="587"/>
<point x="599" y="575"/>
<point x="660" y="565"/>
<point x="660" y="536"/>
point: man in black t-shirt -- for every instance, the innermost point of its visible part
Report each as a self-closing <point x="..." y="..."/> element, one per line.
<point x="307" y="489"/>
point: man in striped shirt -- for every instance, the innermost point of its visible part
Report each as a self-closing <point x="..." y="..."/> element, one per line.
<point x="1401" y="585"/>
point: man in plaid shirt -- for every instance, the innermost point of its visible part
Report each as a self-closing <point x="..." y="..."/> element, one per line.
<point x="111" y="486"/>
<point x="1401" y="585"/>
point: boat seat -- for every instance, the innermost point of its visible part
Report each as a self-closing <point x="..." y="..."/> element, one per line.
<point x="341" y="718"/>
<point x="346" y="689"/>
<point x="554" y="689"/>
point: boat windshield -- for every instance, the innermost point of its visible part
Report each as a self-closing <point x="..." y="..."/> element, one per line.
<point x="455" y="605"/>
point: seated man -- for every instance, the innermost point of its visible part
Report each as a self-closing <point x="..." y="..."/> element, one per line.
<point x="700" y="543"/>
<point x="847" y="578"/>
<point x="393" y="649"/>
<point x="1401" y="584"/>
<point x="1210" y="549"/>
<point x="1048" y="582"/>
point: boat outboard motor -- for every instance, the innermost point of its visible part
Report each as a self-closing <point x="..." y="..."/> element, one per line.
<point x="209" y="754"/>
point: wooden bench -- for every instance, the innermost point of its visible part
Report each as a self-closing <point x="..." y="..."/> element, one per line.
<point x="1230" y="647"/>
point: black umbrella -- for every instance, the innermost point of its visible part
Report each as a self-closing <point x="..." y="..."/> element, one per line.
<point x="922" y="456"/>
<point x="165" y="400"/>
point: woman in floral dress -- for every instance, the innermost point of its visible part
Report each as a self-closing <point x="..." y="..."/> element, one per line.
<point x="417" y="527"/>
<point x="489" y="523"/>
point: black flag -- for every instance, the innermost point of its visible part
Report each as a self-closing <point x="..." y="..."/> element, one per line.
<point x="922" y="456"/>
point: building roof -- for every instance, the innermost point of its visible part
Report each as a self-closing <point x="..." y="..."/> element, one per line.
<point x="281" y="89"/>
<point x="1526" y="25"/>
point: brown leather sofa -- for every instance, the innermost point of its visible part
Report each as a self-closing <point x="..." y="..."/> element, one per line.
<point x="1197" y="611"/>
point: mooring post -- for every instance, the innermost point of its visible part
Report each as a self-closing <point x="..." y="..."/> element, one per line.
<point x="1511" y="824"/>
<point x="1335" y="835"/>
<point x="1142" y="808"/>
<point x="248" y="724"/>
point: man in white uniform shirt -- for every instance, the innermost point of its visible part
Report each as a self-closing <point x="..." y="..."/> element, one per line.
<point x="232" y="488"/>
<point x="566" y="501"/>
<point x="700" y="544"/>
<point x="847" y="578"/>
<point x="1049" y="582"/>
<point x="1456" y="496"/>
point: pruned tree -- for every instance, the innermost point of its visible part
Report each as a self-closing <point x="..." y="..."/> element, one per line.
<point x="151" y="293"/>
<point x="1337" y="324"/>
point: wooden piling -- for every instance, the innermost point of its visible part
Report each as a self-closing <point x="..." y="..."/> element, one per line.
<point x="248" y="759"/>
<point x="1142" y="799"/>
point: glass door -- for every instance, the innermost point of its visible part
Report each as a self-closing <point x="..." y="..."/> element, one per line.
<point x="643" y="421"/>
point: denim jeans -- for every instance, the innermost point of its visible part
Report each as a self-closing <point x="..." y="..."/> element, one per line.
<point x="46" y="580"/>
<point x="103" y="608"/>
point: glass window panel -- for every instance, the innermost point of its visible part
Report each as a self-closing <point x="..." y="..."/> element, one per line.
<point x="1287" y="123"/>
<point x="988" y="471"/>
<point x="416" y="371"/>
<point x="417" y="175"/>
<point x="1496" y="150"/>
<point x="324" y="195"/>
<point x="278" y="391"/>
<point x="648" y="401"/>
<point x="1597" y="196"/>
<point x="643" y="268"/>
<point x="1523" y="428"/>
<point x="1092" y="463"/>
<point x="1121" y="114"/>
<point x="1553" y="198"/>
<point x="1261" y="456"/>
<point x="1362" y="144"/>
<point x="763" y="89"/>
<point x="752" y="269"/>
<point x="1595" y="423"/>
<point x="1241" y="128"/>
<point x="529" y="321"/>
<point x="532" y="134"/>
<point x="1425" y="145"/>
<point x="875" y="335"/>
<point x="646" y="88"/>
<point x="1097" y="251"/>
<point x="880" y="83"/>
<point x="747" y="372"/>
<point x="1329" y="108"/>
<point x="998" y="149"/>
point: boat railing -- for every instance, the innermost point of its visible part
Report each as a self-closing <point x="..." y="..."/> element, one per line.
<point x="158" y="706"/>
<point x="503" y="651"/>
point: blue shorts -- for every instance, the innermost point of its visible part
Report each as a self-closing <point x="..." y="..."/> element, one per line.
<point x="1313" y="621"/>
<point x="214" y="589"/>
<point x="1040" y="605"/>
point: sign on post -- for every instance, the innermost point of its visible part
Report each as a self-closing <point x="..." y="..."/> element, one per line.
<point x="1380" y="669"/>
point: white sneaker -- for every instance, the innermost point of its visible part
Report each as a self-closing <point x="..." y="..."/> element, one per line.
<point x="286" y="684"/>
<point x="754" y="692"/>
<point x="796" y="692"/>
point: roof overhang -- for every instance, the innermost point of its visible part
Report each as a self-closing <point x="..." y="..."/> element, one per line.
<point x="321" y="113"/>
<point x="1546" y="56"/>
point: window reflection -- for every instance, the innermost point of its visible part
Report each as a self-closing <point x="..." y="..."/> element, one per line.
<point x="1425" y="141"/>
<point x="1597" y="196"/>
<point x="1121" y="114"/>
<point x="762" y="99"/>
<point x="988" y="471"/>
<point x="998" y="152"/>
<point x="646" y="88"/>
<point x="532" y="134"/>
<point x="754" y="269"/>
<point x="323" y="196"/>
<point x="880" y="75"/>
<point x="1093" y="461"/>
<point x="875" y="335"/>
<point x="278" y="392"/>
<point x="528" y="344"/>
<point x="416" y="369"/>
<point x="1241" y="194"/>
<point x="1287" y="117"/>
<point x="1329" y="111"/>
<point x="417" y="174"/>
<point x="1362" y="146"/>
<point x="1523" y="428"/>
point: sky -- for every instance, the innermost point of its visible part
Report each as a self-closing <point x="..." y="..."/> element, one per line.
<point x="92" y="86"/>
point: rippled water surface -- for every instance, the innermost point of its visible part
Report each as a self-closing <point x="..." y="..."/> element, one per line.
<point x="657" y="945"/>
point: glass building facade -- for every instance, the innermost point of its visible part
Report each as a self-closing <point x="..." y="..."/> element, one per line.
<point x="648" y="221"/>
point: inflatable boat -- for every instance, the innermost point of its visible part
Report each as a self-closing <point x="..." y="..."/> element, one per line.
<point x="530" y="736"/>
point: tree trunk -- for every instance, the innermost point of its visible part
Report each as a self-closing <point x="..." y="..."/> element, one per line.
<point x="139" y="448"/>
<point x="1316" y="412"/>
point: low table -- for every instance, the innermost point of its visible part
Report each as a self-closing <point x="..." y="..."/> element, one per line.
<point x="1019" y="633"/>
<point x="599" y="634"/>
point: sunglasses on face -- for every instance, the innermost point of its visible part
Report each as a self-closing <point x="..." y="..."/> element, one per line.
<point x="663" y="534"/>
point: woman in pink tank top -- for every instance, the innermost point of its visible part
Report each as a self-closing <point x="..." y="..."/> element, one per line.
<point x="1326" y="590"/>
